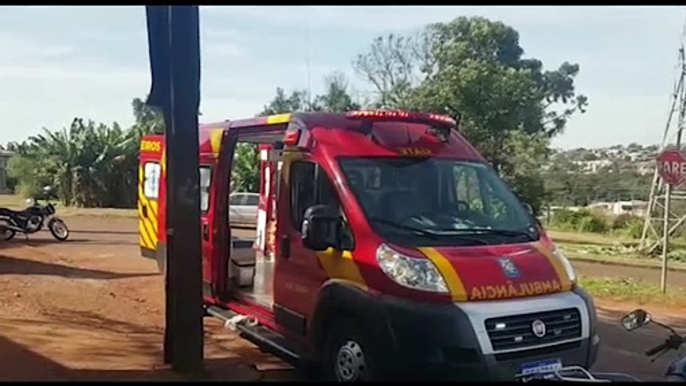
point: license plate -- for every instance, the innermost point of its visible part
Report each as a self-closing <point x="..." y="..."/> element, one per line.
<point x="541" y="366"/>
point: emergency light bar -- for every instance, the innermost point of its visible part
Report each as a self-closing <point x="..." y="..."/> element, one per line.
<point x="443" y="124"/>
<point x="401" y="116"/>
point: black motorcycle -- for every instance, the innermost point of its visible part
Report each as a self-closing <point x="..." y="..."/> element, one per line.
<point x="32" y="220"/>
<point x="676" y="371"/>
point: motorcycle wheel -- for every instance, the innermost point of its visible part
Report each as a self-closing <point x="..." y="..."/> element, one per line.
<point x="6" y="234"/>
<point x="59" y="229"/>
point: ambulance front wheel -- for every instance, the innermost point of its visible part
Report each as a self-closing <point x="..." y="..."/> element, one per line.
<point x="349" y="354"/>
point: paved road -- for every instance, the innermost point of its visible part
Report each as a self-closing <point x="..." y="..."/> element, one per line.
<point x="112" y="245"/>
<point x="622" y="351"/>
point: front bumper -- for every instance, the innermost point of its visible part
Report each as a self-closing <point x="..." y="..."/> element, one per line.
<point x="450" y="342"/>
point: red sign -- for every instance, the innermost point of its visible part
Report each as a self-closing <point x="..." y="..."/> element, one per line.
<point x="671" y="164"/>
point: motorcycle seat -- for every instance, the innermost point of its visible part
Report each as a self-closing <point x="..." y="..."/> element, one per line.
<point x="9" y="212"/>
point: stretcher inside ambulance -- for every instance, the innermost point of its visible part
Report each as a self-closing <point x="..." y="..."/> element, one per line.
<point x="387" y="246"/>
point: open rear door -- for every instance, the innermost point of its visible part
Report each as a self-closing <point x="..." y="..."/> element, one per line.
<point x="149" y="189"/>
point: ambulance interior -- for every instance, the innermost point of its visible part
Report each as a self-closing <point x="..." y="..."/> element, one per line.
<point x="250" y="266"/>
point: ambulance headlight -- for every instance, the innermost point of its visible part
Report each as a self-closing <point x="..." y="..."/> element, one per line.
<point x="416" y="273"/>
<point x="566" y="264"/>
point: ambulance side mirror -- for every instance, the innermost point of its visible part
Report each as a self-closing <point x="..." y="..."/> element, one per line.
<point x="320" y="228"/>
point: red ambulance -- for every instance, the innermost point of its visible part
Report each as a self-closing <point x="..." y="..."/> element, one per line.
<point x="386" y="247"/>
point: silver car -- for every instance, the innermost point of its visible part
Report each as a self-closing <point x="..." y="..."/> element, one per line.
<point x="243" y="208"/>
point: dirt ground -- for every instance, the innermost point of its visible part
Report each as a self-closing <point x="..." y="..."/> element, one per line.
<point x="92" y="309"/>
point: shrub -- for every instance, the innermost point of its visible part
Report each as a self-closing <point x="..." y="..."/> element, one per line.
<point x="29" y="189"/>
<point x="592" y="223"/>
<point x="564" y="219"/>
<point x="581" y="221"/>
<point x="624" y="220"/>
<point x="633" y="228"/>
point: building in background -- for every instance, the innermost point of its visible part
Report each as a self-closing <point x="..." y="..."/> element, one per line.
<point x="634" y="207"/>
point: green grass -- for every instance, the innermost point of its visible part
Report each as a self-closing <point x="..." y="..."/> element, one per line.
<point x="588" y="238"/>
<point x="625" y="289"/>
<point x="601" y="239"/>
<point x="612" y="250"/>
<point x="16" y="202"/>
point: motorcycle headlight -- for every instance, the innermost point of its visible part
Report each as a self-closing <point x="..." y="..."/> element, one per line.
<point x="412" y="272"/>
<point x="571" y="274"/>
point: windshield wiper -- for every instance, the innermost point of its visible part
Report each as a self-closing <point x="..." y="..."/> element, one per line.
<point x="403" y="227"/>
<point x="503" y="232"/>
<point x="430" y="233"/>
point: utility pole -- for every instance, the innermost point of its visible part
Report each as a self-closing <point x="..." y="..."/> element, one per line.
<point x="174" y="42"/>
<point x="665" y="240"/>
<point x="661" y="194"/>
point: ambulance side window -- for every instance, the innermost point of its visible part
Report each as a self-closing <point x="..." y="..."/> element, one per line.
<point x="326" y="194"/>
<point x="205" y="183"/>
<point x="151" y="180"/>
<point x="310" y="185"/>
<point x="301" y="190"/>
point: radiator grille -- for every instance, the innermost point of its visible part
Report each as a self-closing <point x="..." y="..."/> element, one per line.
<point x="516" y="332"/>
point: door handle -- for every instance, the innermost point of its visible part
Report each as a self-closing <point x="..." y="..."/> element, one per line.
<point x="285" y="246"/>
<point x="205" y="231"/>
<point x="145" y="211"/>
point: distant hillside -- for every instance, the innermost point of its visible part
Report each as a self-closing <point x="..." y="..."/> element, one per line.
<point x="633" y="152"/>
<point x="618" y="158"/>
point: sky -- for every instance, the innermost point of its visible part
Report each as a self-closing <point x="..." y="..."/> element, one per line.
<point x="58" y="63"/>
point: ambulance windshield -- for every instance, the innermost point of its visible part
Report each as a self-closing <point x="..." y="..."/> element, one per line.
<point x="432" y="201"/>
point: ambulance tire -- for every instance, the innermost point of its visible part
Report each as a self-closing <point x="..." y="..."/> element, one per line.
<point x="349" y="354"/>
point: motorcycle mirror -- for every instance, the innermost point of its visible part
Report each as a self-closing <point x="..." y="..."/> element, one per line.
<point x="635" y="319"/>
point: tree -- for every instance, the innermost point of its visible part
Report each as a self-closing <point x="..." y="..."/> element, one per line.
<point x="147" y="119"/>
<point x="336" y="97"/>
<point x="245" y="176"/>
<point x="29" y="179"/>
<point x="90" y="164"/>
<point x="390" y="66"/>
<point x="472" y="68"/>
<point x="245" y="171"/>
<point x="87" y="163"/>
<point x="528" y="153"/>
<point x="297" y="101"/>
